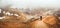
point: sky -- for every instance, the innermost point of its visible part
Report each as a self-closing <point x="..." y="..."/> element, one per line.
<point x="30" y="3"/>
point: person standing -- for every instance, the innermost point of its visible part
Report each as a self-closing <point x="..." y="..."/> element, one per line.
<point x="40" y="17"/>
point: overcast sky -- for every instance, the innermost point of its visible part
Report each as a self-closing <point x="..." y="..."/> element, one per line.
<point x="30" y="3"/>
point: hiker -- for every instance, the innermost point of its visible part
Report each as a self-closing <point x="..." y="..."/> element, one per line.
<point x="40" y="17"/>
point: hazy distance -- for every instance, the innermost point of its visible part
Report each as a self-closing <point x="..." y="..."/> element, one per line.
<point x="30" y="3"/>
